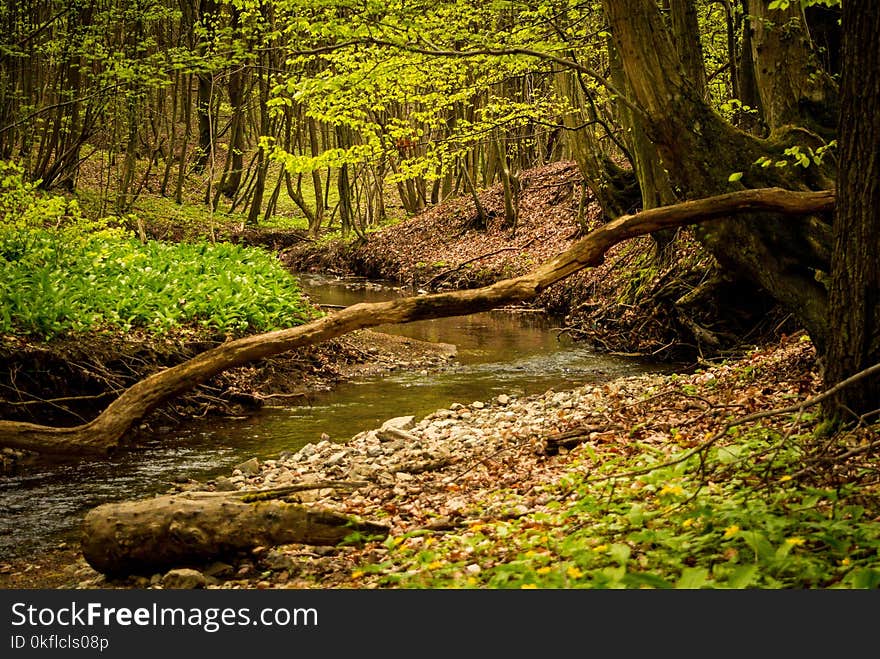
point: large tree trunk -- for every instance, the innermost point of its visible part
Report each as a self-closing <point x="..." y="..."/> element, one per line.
<point x="700" y="151"/>
<point x="172" y="530"/>
<point x="855" y="270"/>
<point x="793" y="87"/>
<point x="105" y="431"/>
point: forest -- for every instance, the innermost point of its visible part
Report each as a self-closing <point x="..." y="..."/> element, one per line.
<point x="687" y="191"/>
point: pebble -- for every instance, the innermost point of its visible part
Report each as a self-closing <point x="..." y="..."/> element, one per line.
<point x="249" y="467"/>
<point x="184" y="579"/>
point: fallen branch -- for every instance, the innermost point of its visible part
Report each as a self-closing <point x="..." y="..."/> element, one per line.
<point x="568" y="439"/>
<point x="105" y="431"/>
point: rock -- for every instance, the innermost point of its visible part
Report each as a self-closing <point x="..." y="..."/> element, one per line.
<point x="219" y="569"/>
<point x="224" y="484"/>
<point x="250" y="467"/>
<point x="276" y="560"/>
<point x="503" y="399"/>
<point x="336" y="458"/>
<point x="399" y="422"/>
<point x="184" y="579"/>
<point x="478" y="404"/>
<point x="391" y="433"/>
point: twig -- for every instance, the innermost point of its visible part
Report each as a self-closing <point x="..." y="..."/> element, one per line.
<point x="42" y="401"/>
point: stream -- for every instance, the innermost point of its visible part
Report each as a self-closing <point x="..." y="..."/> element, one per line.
<point x="499" y="352"/>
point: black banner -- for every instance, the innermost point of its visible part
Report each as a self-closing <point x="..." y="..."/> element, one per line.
<point x="236" y="623"/>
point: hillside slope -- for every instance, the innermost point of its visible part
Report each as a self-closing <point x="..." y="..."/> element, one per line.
<point x="676" y="305"/>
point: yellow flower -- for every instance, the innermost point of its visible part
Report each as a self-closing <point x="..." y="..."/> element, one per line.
<point x="357" y="574"/>
<point x="795" y="541"/>
<point x="476" y="528"/>
<point x="671" y="489"/>
<point x="529" y="586"/>
<point x="600" y="547"/>
<point x="785" y="479"/>
<point x="471" y="581"/>
<point x="543" y="570"/>
<point x="435" y="564"/>
<point x="845" y="561"/>
<point x="689" y="522"/>
<point x="731" y="531"/>
<point x="574" y="573"/>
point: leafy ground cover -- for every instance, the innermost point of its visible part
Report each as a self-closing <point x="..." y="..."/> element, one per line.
<point x="699" y="484"/>
<point x="61" y="272"/>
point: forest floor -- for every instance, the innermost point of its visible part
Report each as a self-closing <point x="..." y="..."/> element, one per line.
<point x="442" y="490"/>
<point x="469" y="491"/>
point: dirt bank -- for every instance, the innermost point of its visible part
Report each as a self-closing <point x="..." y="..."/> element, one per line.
<point x="68" y="381"/>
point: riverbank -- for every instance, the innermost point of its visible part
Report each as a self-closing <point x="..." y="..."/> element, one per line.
<point x="62" y="382"/>
<point x="492" y="493"/>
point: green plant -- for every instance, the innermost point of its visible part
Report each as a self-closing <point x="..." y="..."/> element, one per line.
<point x="60" y="272"/>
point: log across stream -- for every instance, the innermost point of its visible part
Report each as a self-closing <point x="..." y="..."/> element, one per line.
<point x="498" y="352"/>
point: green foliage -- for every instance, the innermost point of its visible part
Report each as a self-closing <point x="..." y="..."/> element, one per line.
<point x="669" y="527"/>
<point x="60" y="272"/>
<point x="799" y="156"/>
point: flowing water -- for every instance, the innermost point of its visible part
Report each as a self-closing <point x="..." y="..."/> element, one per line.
<point x="498" y="352"/>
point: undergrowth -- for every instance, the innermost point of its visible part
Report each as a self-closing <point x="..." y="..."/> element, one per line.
<point x="61" y="272"/>
<point x="734" y="518"/>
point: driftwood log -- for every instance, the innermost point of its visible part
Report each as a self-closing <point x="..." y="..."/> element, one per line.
<point x="105" y="431"/>
<point x="143" y="536"/>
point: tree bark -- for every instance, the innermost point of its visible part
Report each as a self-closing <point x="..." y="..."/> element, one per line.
<point x="700" y="151"/>
<point x="794" y="88"/>
<point x="104" y="432"/>
<point x="686" y="30"/>
<point x="172" y="530"/>
<point x="855" y="269"/>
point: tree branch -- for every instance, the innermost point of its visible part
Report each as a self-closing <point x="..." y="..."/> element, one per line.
<point x="105" y="431"/>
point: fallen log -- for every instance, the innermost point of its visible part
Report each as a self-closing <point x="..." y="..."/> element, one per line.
<point x="148" y="535"/>
<point x="105" y="431"/>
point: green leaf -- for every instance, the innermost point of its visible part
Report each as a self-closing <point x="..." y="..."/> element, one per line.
<point x="864" y="578"/>
<point x="619" y="552"/>
<point x="692" y="577"/>
<point x="646" y="579"/>
<point x="735" y="177"/>
<point x="759" y="544"/>
<point x="743" y="576"/>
